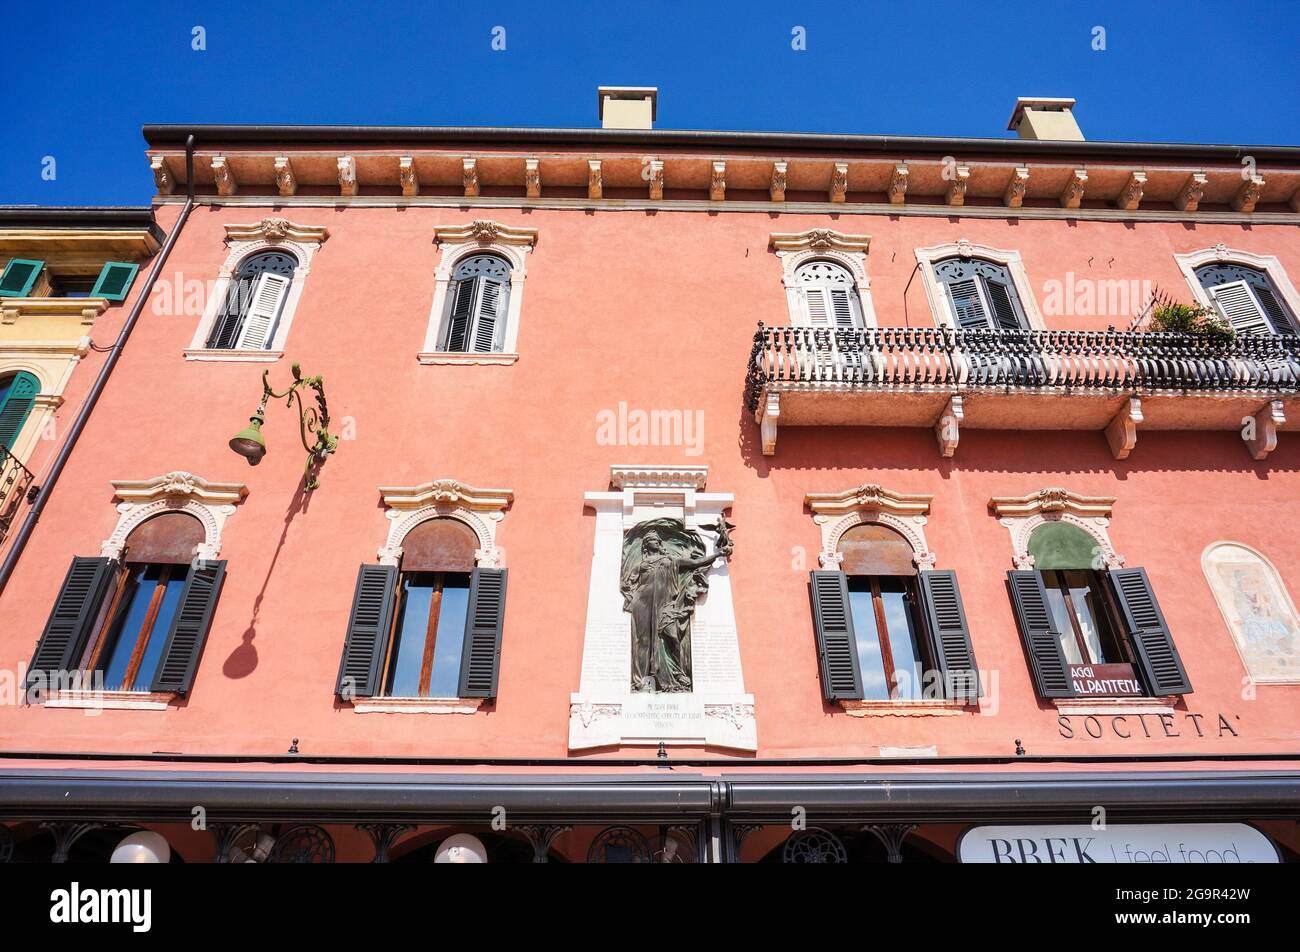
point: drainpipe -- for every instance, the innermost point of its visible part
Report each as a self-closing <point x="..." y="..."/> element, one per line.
<point x="83" y="415"/>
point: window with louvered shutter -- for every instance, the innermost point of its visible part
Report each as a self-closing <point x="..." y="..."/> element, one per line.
<point x="17" y="397"/>
<point x="72" y="621"/>
<point x="981" y="293"/>
<point x="1157" y="657"/>
<point x="1246" y="298"/>
<point x="949" y="633"/>
<point x="19" y="277"/>
<point x="1040" y="634"/>
<point x="828" y="296"/>
<point x="254" y="301"/>
<point x="268" y="297"/>
<point x="484" y="623"/>
<point x="478" y="304"/>
<point x="837" y="649"/>
<point x="369" y="624"/>
<point x="189" y="629"/>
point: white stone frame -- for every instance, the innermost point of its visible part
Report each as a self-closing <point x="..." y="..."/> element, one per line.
<point x="871" y="504"/>
<point x="1223" y="611"/>
<point x="244" y="240"/>
<point x="178" y="491"/>
<point x="1221" y="253"/>
<point x="1021" y="515"/>
<point x="937" y="295"/>
<point x="480" y="509"/>
<point x="457" y="242"/>
<point x="823" y="244"/>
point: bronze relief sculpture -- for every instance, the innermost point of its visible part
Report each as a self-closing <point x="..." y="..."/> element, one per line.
<point x="665" y="571"/>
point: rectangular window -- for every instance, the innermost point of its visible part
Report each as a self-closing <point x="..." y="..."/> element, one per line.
<point x="424" y="659"/>
<point x="1082" y="617"/>
<point x="71" y="285"/>
<point x="890" y="650"/>
<point x="140" y="617"/>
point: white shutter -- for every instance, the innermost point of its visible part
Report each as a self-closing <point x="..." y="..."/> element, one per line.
<point x="842" y="309"/>
<point x="268" y="298"/>
<point x="815" y="307"/>
<point x="489" y="312"/>
<point x="968" y="303"/>
<point x="1240" y="308"/>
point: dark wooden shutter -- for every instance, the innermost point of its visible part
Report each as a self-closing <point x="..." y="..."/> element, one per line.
<point x="16" y="406"/>
<point x="368" y="624"/>
<point x="1001" y="299"/>
<point x="72" y="621"/>
<point x="184" y="646"/>
<point x="480" y="660"/>
<point x="1145" y="623"/>
<point x="19" y="276"/>
<point x="1277" y="315"/>
<point x="949" y="634"/>
<point x="966" y="303"/>
<point x="1042" y="640"/>
<point x="837" y="647"/>
<point x="225" y="330"/>
<point x="114" y="280"/>
<point x="462" y="315"/>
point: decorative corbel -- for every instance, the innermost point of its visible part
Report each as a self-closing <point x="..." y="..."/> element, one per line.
<point x="540" y="839"/>
<point x="776" y="190"/>
<point x="383" y="836"/>
<point x="223" y="176"/>
<point x="718" y="183"/>
<point x="347" y="175"/>
<point x="533" y="178"/>
<point x="1248" y="194"/>
<point x="407" y="175"/>
<point x="957" y="187"/>
<point x="1130" y="196"/>
<point x="1189" y="196"/>
<point x="1122" y="430"/>
<point x="1014" y="196"/>
<point x="839" y="182"/>
<point x="947" y="430"/>
<point x="595" y="185"/>
<point x="284" y="177"/>
<point x="1072" y="194"/>
<point x="656" y="171"/>
<point x="1260" y="431"/>
<point x="162" y="176"/>
<point x="898" y="184"/>
<point x="469" y="177"/>
<point x="769" y="412"/>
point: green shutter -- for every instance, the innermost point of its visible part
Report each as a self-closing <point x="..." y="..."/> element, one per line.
<point x="480" y="660"/>
<point x="19" y="276"/>
<point x="15" y="407"/>
<point x="114" y="280"/>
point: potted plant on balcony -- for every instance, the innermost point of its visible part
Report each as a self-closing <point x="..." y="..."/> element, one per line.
<point x="1194" y="320"/>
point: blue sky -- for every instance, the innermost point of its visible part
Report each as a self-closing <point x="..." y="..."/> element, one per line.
<point x="83" y="77"/>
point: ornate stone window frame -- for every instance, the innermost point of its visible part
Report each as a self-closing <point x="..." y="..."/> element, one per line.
<point x="1023" y="514"/>
<point x="52" y="364"/>
<point x="935" y="293"/>
<point x="480" y="509"/>
<point x="456" y="242"/>
<point x="1220" y="253"/>
<point x="794" y="250"/>
<point x="871" y="504"/>
<point x="244" y="240"/>
<point x="178" y="491"/>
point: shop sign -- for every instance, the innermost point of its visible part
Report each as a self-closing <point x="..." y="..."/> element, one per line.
<point x="1191" y="843"/>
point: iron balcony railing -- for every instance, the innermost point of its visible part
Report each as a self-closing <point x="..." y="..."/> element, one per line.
<point x="888" y="358"/>
<point x="16" y="481"/>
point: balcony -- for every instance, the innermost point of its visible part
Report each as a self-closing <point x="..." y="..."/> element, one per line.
<point x="1113" y="381"/>
<point x="16" y="482"/>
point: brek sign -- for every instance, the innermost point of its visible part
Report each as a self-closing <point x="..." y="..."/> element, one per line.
<point x="1117" y="843"/>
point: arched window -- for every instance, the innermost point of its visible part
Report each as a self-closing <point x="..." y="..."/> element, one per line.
<point x="1246" y="298"/>
<point x="478" y="302"/>
<point x="1066" y="559"/>
<point x="828" y="296"/>
<point x="982" y="294"/>
<point x="17" y="397"/>
<point x="254" y="302"/>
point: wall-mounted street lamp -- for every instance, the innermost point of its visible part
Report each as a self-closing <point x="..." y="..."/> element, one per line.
<point x="250" y="444"/>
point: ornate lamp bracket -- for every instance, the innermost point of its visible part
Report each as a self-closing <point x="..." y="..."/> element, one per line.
<point x="314" y="420"/>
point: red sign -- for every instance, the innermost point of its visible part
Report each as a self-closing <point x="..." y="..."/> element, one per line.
<point x="1105" y="680"/>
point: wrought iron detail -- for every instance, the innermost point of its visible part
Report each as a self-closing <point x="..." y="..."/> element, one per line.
<point x="383" y="836"/>
<point x="625" y="843"/>
<point x="66" y="836"/>
<point x="232" y="836"/>
<point x="314" y="420"/>
<point x="307" y="843"/>
<point x="891" y="835"/>
<point x="814" y="845"/>
<point x="17" y="483"/>
<point x="541" y="838"/>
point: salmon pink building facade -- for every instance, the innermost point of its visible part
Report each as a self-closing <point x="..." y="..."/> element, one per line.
<point x="682" y="496"/>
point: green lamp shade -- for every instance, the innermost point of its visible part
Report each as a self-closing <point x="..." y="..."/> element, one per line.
<point x="249" y="443"/>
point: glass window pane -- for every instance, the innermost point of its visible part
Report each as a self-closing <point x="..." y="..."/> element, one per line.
<point x="903" y="646"/>
<point x="870" y="661"/>
<point x="114" y="661"/>
<point x="161" y="629"/>
<point x="407" y="656"/>
<point x="1061" y="617"/>
<point x="445" y="681"/>
<point x="1084" y="595"/>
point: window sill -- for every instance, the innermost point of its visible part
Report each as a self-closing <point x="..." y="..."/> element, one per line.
<point x="112" y="700"/>
<point x="1083" y="706"/>
<point x="940" y="708"/>
<point x="417" y="705"/>
<point x="234" y="356"/>
<point x="444" y="357"/>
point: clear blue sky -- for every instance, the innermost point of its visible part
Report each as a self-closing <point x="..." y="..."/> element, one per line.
<point x="83" y="77"/>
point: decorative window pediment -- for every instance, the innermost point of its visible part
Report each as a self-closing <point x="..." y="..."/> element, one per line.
<point x="480" y="509"/>
<point x="1245" y="296"/>
<point x="1023" y="514"/>
<point x="142" y="499"/>
<point x="837" y="513"/>
<point x="825" y="277"/>
<point x="951" y="306"/>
